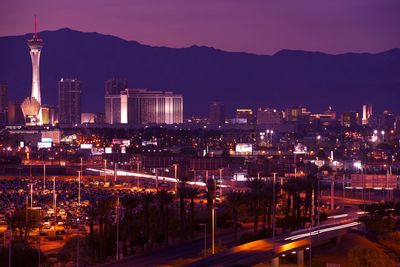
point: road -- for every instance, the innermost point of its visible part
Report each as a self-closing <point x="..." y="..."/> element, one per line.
<point x="192" y="249"/>
<point x="162" y="256"/>
<point x="263" y="250"/>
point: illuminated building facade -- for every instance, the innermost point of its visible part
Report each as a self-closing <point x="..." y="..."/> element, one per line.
<point x="140" y="106"/>
<point x="245" y="113"/>
<point x="269" y="116"/>
<point x="350" y="119"/>
<point x="367" y="113"/>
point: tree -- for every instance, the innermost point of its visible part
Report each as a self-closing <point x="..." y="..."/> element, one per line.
<point x="255" y="196"/>
<point x="235" y="200"/>
<point x="165" y="199"/>
<point x="192" y="193"/>
<point x="368" y="257"/>
<point x="182" y="194"/>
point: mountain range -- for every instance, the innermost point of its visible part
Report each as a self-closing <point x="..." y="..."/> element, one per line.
<point x="203" y="74"/>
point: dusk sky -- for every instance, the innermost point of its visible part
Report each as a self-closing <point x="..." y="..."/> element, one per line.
<point x="257" y="26"/>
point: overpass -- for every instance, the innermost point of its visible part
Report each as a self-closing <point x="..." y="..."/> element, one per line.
<point x="266" y="250"/>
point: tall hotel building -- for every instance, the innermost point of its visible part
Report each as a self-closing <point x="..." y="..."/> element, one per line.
<point x="140" y="106"/>
<point x="69" y="101"/>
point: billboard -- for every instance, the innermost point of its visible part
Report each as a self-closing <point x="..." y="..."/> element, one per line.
<point x="244" y="148"/>
<point x="86" y="146"/>
<point x="43" y="145"/>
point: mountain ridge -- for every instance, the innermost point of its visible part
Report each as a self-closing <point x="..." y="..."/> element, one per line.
<point x="203" y="74"/>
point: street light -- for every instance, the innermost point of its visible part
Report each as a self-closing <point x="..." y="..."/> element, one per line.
<point x="273" y="211"/>
<point x="79" y="188"/>
<point x="77" y="245"/>
<point x="105" y="171"/>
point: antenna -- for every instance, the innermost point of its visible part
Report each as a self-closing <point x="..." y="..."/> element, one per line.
<point x="35" y="26"/>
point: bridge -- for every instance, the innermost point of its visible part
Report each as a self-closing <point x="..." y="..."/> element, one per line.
<point x="266" y="250"/>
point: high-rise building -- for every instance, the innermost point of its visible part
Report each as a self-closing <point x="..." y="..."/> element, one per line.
<point x="269" y="116"/>
<point x="350" y="119"/>
<point x="297" y="114"/>
<point x="115" y="86"/>
<point x="69" y="101"/>
<point x="48" y="115"/>
<point x="367" y="113"/>
<point x="113" y="109"/>
<point x="3" y="102"/>
<point x="14" y="114"/>
<point x="216" y="113"/>
<point x="245" y="114"/>
<point x="140" y="106"/>
<point x="31" y="105"/>
<point x="3" y="96"/>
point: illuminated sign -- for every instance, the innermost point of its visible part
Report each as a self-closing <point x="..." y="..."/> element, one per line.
<point x="108" y="150"/>
<point x="300" y="149"/>
<point x="86" y="146"/>
<point x="244" y="148"/>
<point x="43" y="145"/>
<point x="47" y="140"/>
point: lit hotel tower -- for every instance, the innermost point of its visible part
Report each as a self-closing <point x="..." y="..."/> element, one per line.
<point x="35" y="44"/>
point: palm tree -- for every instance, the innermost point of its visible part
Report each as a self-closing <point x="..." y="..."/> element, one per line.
<point x="255" y="196"/>
<point x="182" y="193"/>
<point x="146" y="201"/>
<point x="235" y="200"/>
<point x="165" y="198"/>
<point x="211" y="188"/>
<point x="192" y="193"/>
<point x="130" y="203"/>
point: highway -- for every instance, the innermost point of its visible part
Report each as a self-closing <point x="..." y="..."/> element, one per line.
<point x="252" y="251"/>
<point x="263" y="250"/>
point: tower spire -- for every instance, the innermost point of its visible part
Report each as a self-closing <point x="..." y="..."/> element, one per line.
<point x="35" y="26"/>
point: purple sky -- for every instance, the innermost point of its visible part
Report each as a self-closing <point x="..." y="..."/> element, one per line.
<point x="259" y="26"/>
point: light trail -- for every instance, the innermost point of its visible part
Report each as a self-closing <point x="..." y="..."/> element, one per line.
<point x="324" y="230"/>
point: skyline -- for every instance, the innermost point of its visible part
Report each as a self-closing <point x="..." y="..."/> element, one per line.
<point x="261" y="28"/>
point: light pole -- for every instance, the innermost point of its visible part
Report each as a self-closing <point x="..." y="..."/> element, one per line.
<point x="44" y="177"/>
<point x="213" y="220"/>
<point x="105" y="172"/>
<point x="54" y="199"/>
<point x="79" y="188"/>
<point x="205" y="238"/>
<point x="138" y="172"/>
<point x="31" y="193"/>
<point x="117" y="213"/>
<point x="273" y="211"/>
<point x="176" y="176"/>
<point x="383" y="136"/>
<point x="77" y="245"/>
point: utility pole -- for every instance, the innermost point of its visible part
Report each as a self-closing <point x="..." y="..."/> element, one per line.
<point x="273" y="211"/>
<point x="138" y="172"/>
<point x="54" y="199"/>
<point x="176" y="177"/>
<point x="31" y="186"/>
<point x="44" y="177"/>
<point x="117" y="213"/>
<point x="105" y="172"/>
<point x="77" y="245"/>
<point x="213" y="220"/>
